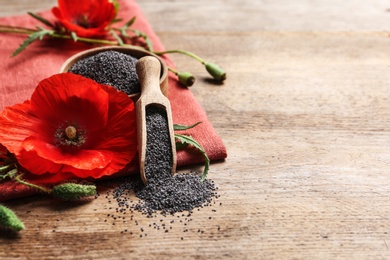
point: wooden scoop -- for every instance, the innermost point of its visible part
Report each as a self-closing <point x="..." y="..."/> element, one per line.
<point x="148" y="71"/>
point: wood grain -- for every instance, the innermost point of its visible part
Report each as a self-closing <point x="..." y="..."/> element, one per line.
<point x="305" y="115"/>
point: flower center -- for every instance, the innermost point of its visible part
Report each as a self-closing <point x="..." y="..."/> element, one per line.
<point x="71" y="132"/>
<point x="70" y="136"/>
<point x="85" y="22"/>
<point x="82" y="21"/>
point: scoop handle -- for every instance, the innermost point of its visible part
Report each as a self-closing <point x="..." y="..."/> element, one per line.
<point x="148" y="71"/>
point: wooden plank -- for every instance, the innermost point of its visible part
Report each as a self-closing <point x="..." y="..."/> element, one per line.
<point x="305" y="117"/>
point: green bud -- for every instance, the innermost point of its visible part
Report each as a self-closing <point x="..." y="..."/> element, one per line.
<point x="186" y="78"/>
<point x="73" y="191"/>
<point x="216" y="71"/>
<point x="8" y="219"/>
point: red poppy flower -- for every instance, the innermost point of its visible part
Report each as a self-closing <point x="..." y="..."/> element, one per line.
<point x="71" y="125"/>
<point x="87" y="18"/>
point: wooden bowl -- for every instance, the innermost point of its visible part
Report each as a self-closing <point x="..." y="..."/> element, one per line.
<point x="132" y="51"/>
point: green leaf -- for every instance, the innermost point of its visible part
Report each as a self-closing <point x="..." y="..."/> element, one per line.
<point x="148" y="43"/>
<point x="116" y="20"/>
<point x="130" y="22"/>
<point x="178" y="127"/>
<point x="145" y="37"/>
<point x="41" y="19"/>
<point x="184" y="139"/>
<point x="180" y="145"/>
<point x="8" y="219"/>
<point x="137" y="33"/>
<point x="31" y="38"/>
<point x="47" y="32"/>
<point x="120" y="42"/>
<point x="126" y="26"/>
<point x="10" y="174"/>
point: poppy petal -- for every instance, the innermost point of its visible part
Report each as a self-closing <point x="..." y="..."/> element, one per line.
<point x="36" y="164"/>
<point x="120" y="136"/>
<point x="96" y="173"/>
<point x="82" y="159"/>
<point x="77" y="98"/>
<point x="13" y="134"/>
<point x="57" y="13"/>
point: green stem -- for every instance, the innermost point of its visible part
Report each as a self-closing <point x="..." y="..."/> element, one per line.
<point x="11" y="29"/>
<point x="15" y="30"/>
<point x="190" y="54"/>
<point x="173" y="70"/>
<point x="94" y="41"/>
<point x="21" y="30"/>
<point x="5" y="167"/>
<point x="17" y="178"/>
<point x="82" y="39"/>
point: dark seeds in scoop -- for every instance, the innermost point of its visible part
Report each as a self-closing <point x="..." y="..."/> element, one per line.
<point x="165" y="192"/>
<point x="158" y="157"/>
<point x="112" y="68"/>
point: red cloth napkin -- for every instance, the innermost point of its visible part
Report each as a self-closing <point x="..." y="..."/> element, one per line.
<point x="21" y="74"/>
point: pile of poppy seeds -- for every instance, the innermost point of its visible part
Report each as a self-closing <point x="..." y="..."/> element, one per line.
<point x="111" y="68"/>
<point x="164" y="195"/>
<point x="173" y="198"/>
<point x="130" y="214"/>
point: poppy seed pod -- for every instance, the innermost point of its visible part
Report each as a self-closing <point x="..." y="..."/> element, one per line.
<point x="9" y="220"/>
<point x="186" y="78"/>
<point x="215" y="71"/>
<point x="73" y="191"/>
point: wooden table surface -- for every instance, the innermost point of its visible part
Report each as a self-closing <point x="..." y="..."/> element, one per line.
<point x="305" y="116"/>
